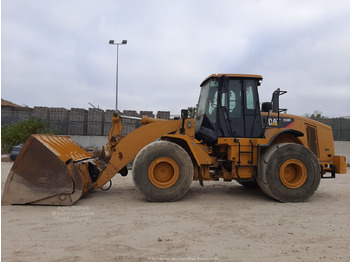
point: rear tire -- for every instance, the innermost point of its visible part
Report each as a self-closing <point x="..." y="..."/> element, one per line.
<point x="163" y="171"/>
<point x="289" y="173"/>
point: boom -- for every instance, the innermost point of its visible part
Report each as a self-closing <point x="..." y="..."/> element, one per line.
<point x="124" y="150"/>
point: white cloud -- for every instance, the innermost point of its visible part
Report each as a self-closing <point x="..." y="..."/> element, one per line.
<point x="56" y="53"/>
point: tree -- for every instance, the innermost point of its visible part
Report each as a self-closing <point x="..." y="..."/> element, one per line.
<point x="191" y="111"/>
<point x="316" y="115"/>
<point x="18" y="133"/>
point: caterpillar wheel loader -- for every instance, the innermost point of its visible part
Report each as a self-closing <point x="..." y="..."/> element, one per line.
<point x="230" y="138"/>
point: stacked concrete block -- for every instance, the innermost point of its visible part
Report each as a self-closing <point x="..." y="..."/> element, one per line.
<point x="108" y="115"/>
<point x="77" y="124"/>
<point x="23" y="113"/>
<point x="59" y="120"/>
<point x="78" y="115"/>
<point x="7" y="111"/>
<point x="147" y="113"/>
<point x="106" y="128"/>
<point x="130" y="113"/>
<point x="95" y="115"/>
<point x="95" y="122"/>
<point x="78" y="121"/>
<point x="11" y="115"/>
<point x="163" y="114"/>
<point x="129" y="125"/>
<point x="58" y="114"/>
<point x="7" y="115"/>
<point x="107" y="125"/>
<point x="94" y="129"/>
<point x="41" y="112"/>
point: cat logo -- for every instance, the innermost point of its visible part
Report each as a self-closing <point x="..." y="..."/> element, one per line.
<point x="272" y="122"/>
<point x="282" y="122"/>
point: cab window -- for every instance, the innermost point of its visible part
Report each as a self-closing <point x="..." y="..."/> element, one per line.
<point x="235" y="107"/>
<point x="249" y="94"/>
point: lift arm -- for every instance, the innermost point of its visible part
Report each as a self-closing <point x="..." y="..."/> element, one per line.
<point x="124" y="150"/>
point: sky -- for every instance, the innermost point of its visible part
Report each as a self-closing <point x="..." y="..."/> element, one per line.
<point x="56" y="53"/>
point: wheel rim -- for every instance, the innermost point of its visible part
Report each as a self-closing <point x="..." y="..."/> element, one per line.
<point x="163" y="172"/>
<point x="293" y="173"/>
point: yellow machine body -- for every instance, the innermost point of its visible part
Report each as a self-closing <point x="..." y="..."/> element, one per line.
<point x="52" y="170"/>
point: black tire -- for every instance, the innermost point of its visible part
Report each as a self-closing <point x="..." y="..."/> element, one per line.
<point x="163" y="171"/>
<point x="289" y="172"/>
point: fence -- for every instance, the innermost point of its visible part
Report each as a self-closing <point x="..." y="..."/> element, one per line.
<point x="340" y="127"/>
<point x="76" y="121"/>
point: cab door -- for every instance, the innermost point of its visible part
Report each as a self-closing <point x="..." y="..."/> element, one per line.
<point x="238" y="110"/>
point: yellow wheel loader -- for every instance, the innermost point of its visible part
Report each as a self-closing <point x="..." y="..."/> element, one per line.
<point x="230" y="138"/>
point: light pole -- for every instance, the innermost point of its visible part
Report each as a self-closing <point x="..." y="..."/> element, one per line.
<point x="111" y="42"/>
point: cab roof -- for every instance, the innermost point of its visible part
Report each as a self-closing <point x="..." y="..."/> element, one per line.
<point x="233" y="76"/>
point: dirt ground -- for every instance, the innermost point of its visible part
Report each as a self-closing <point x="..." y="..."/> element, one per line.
<point x="218" y="222"/>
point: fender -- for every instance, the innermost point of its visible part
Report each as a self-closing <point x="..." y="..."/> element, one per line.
<point x="293" y="132"/>
<point x="198" y="152"/>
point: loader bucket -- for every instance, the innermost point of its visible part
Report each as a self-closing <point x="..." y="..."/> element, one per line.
<point x="49" y="170"/>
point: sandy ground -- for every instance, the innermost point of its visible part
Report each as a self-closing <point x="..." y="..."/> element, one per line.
<point x="218" y="222"/>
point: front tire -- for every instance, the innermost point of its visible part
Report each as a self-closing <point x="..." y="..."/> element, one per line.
<point x="289" y="173"/>
<point x="163" y="171"/>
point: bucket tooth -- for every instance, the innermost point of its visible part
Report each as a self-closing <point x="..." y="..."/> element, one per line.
<point x="49" y="170"/>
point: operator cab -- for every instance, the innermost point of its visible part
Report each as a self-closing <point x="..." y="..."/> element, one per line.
<point x="229" y="107"/>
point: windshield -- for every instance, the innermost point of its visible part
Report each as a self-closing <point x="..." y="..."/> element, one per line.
<point x="208" y="100"/>
<point x="203" y="100"/>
